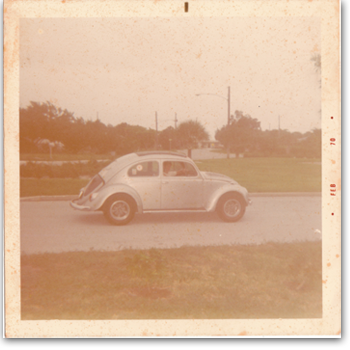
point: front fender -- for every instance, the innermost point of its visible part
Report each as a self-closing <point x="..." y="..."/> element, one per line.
<point x="109" y="190"/>
<point x="214" y="198"/>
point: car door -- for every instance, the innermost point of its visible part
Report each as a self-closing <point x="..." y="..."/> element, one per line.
<point x="181" y="186"/>
<point x="144" y="177"/>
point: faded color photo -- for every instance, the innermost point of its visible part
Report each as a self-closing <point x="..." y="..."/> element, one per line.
<point x="170" y="168"/>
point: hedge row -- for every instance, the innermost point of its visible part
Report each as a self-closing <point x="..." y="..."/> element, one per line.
<point x="66" y="170"/>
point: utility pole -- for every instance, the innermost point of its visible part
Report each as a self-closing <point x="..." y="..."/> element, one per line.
<point x="228" y="99"/>
<point x="175" y="120"/>
<point x="279" y="126"/>
<point x="156" y="131"/>
<point x="228" y="117"/>
<point x="228" y="106"/>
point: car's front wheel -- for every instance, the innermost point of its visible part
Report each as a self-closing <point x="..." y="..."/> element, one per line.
<point x="231" y="207"/>
<point x="119" y="209"/>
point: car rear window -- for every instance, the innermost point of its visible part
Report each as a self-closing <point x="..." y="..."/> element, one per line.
<point x="94" y="183"/>
<point x="144" y="169"/>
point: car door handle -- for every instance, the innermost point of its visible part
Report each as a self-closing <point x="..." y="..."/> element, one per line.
<point x="165" y="182"/>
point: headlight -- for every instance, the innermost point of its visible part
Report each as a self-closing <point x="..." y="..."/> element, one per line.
<point x="93" y="196"/>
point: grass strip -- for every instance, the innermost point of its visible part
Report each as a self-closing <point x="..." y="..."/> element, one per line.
<point x="269" y="174"/>
<point x="266" y="281"/>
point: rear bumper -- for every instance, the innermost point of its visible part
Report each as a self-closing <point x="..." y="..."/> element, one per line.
<point x="74" y="205"/>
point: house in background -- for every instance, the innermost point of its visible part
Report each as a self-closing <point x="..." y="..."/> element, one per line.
<point x="210" y="144"/>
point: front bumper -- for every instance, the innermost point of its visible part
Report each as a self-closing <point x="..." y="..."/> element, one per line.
<point x="74" y="205"/>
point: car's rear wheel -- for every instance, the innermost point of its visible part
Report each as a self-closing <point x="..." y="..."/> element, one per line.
<point x="119" y="209"/>
<point x="231" y="207"/>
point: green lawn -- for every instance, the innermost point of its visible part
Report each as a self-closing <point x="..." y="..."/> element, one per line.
<point x="269" y="174"/>
<point x="256" y="174"/>
<point x="265" y="281"/>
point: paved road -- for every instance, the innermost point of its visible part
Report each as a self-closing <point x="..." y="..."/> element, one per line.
<point x="55" y="227"/>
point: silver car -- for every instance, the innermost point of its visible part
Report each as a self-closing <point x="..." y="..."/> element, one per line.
<point x="160" y="182"/>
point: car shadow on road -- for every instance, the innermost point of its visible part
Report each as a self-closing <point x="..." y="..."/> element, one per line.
<point x="98" y="218"/>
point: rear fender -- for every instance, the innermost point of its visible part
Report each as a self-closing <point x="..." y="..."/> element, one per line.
<point x="215" y="197"/>
<point x="107" y="191"/>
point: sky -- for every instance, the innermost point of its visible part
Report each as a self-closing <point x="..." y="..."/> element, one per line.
<point x="127" y="69"/>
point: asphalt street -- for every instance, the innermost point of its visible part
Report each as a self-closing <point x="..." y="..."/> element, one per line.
<point x="53" y="226"/>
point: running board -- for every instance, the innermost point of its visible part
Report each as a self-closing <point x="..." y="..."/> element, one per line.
<point x="176" y="211"/>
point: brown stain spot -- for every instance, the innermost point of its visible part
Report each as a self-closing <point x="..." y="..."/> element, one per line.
<point x="243" y="333"/>
<point x="333" y="161"/>
<point x="339" y="332"/>
<point x="324" y="281"/>
<point x="337" y="256"/>
<point x="329" y="264"/>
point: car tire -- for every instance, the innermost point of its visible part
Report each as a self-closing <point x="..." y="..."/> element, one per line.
<point x="231" y="207"/>
<point x="119" y="209"/>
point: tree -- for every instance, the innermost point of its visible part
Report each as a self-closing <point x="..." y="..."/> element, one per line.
<point x="166" y="135"/>
<point x="190" y="133"/>
<point x="44" y="121"/>
<point x="309" y="145"/>
<point x="241" y="133"/>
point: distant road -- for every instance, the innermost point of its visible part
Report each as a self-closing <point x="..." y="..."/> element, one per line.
<point x="207" y="153"/>
<point x="56" y="227"/>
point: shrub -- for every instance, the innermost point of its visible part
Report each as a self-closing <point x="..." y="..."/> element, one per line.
<point x="66" y="170"/>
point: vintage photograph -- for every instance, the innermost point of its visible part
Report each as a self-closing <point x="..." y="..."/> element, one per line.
<point x="170" y="167"/>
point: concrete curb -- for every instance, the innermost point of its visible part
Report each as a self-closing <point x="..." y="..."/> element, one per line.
<point x="48" y="198"/>
<point x="285" y="194"/>
<point x="252" y="195"/>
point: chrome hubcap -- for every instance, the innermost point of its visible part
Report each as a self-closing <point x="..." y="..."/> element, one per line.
<point x="120" y="210"/>
<point x="232" y="207"/>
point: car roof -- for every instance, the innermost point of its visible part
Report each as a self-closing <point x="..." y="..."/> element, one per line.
<point x="138" y="156"/>
<point x="109" y="171"/>
<point x="160" y="154"/>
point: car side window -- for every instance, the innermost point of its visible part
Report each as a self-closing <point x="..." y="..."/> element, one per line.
<point x="178" y="169"/>
<point x="144" y="169"/>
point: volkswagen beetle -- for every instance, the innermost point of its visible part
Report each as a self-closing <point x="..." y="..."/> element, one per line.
<point x="154" y="182"/>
